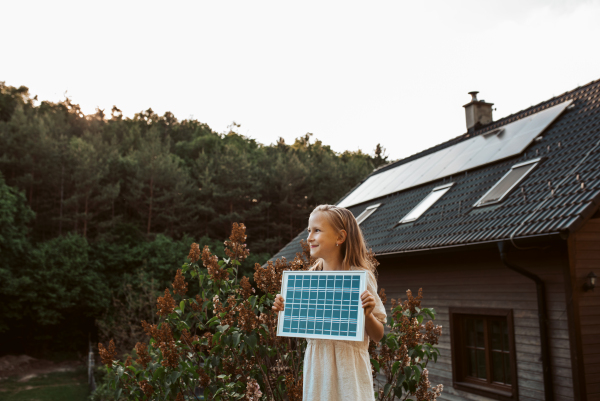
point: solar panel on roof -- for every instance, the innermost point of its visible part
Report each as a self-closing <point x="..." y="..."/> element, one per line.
<point x="466" y="155"/>
<point x="322" y="304"/>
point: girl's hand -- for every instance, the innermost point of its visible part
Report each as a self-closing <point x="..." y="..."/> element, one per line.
<point x="368" y="302"/>
<point x="278" y="303"/>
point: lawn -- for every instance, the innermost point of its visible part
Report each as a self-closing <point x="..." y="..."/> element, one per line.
<point x="58" y="386"/>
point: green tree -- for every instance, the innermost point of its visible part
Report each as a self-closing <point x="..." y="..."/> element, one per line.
<point x="14" y="216"/>
<point x="158" y="185"/>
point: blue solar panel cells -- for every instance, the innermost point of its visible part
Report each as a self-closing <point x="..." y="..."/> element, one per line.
<point x="322" y="305"/>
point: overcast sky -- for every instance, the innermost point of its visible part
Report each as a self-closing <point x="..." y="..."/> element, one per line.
<point x="352" y="73"/>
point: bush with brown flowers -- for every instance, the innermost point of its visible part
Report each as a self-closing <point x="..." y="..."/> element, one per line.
<point x="221" y="344"/>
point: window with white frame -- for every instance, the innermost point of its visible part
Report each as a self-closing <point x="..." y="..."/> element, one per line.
<point x="366" y="213"/>
<point x="426" y="203"/>
<point x="510" y="180"/>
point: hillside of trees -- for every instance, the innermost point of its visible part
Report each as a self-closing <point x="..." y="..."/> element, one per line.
<point x="95" y="207"/>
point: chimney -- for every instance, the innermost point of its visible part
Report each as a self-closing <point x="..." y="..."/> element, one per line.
<point x="478" y="113"/>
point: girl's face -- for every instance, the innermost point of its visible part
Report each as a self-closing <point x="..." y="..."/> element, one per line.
<point x="322" y="237"/>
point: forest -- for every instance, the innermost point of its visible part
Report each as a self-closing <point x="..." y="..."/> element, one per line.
<point x="97" y="210"/>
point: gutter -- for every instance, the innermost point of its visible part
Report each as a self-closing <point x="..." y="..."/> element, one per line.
<point x="542" y="319"/>
<point x="548" y="236"/>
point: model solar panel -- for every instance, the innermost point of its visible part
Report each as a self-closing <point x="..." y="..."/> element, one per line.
<point x="323" y="305"/>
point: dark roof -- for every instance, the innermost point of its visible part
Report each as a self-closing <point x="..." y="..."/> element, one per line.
<point x="549" y="200"/>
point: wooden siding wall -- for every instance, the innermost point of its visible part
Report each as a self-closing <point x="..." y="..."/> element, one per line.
<point x="584" y="249"/>
<point x="479" y="279"/>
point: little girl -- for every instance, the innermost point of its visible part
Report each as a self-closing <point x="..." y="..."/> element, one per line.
<point x="339" y="369"/>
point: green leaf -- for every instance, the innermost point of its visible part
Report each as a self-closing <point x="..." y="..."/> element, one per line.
<point x="236" y="338"/>
<point x="395" y="367"/>
<point x="182" y="306"/>
<point x="159" y="374"/>
<point x="375" y="365"/>
<point x="174" y="376"/>
<point x="222" y="328"/>
<point x="420" y="319"/>
<point x="417" y="373"/>
<point x="251" y="340"/>
<point x="386" y="389"/>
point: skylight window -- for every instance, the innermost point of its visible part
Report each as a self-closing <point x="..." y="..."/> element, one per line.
<point x="426" y="203"/>
<point x="507" y="183"/>
<point x="366" y="213"/>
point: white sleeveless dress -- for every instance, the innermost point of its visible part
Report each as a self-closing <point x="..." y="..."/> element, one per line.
<point x="341" y="370"/>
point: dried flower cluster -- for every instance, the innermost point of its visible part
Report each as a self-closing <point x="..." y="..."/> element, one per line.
<point x="147" y="388"/>
<point x="423" y="393"/>
<point x="108" y="355"/>
<point x="180" y="287"/>
<point x="194" y="255"/>
<point x="432" y="333"/>
<point x="253" y="392"/>
<point x="166" y="304"/>
<point x="268" y="279"/>
<point x="246" y="289"/>
<point x="165" y="342"/>
<point x="382" y="296"/>
<point x="197" y="306"/>
<point x="235" y="248"/>
<point x="141" y="350"/>
<point x="211" y="262"/>
<point x="246" y="318"/>
<point x="294" y="385"/>
<point x="204" y="378"/>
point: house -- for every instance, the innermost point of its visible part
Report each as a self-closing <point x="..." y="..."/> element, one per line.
<point x="500" y="227"/>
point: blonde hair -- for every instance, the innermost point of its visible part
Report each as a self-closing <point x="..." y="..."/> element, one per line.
<point x="354" y="249"/>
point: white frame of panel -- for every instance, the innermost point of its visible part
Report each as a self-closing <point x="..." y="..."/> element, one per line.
<point x="440" y="188"/>
<point x="367" y="213"/>
<point x="532" y="161"/>
<point x="360" y="324"/>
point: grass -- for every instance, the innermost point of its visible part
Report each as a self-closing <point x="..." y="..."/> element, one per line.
<point x="59" y="386"/>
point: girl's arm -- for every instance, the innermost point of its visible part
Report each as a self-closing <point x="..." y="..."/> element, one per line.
<point x="373" y="326"/>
